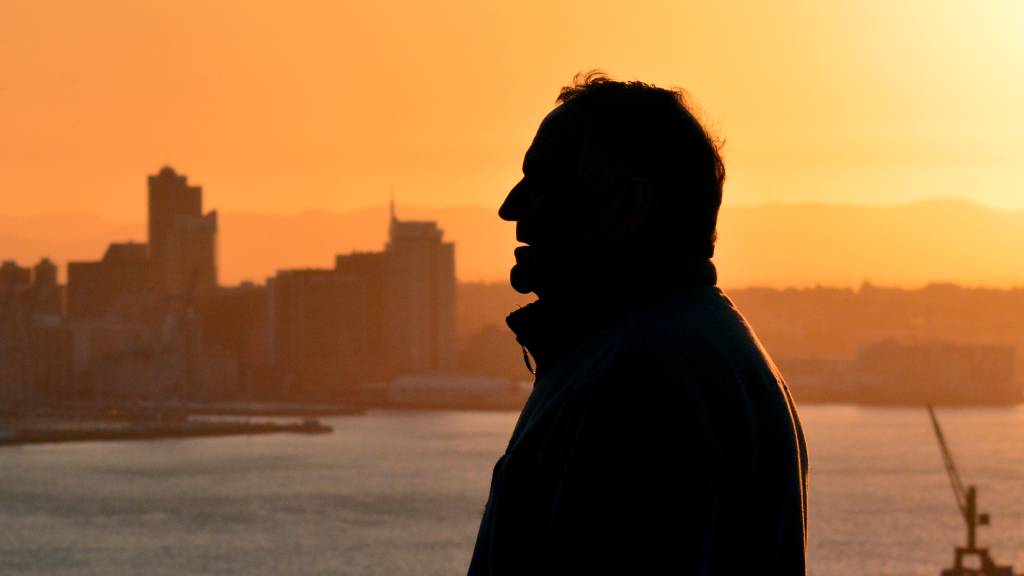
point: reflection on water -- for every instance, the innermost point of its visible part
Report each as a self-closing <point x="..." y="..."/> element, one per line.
<point x="402" y="493"/>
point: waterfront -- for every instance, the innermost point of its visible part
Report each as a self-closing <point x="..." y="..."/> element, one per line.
<point x="401" y="493"/>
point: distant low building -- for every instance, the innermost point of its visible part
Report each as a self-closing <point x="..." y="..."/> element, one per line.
<point x="370" y="269"/>
<point x="51" y="361"/>
<point x="318" y="333"/>
<point x="14" y="283"/>
<point x="115" y="360"/>
<point x="34" y="347"/>
<point x="889" y="372"/>
<point x="464" y="392"/>
<point x="48" y="296"/>
<point x="121" y="284"/>
<point x="235" y="339"/>
<point x="14" y="277"/>
<point x="818" y="379"/>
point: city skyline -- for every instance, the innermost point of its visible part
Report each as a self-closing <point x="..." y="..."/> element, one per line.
<point x="942" y="246"/>
<point x="151" y="321"/>
<point x="257" y="313"/>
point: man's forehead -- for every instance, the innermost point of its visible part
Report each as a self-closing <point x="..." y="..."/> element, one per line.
<point x="551" y="144"/>
<point x="554" y="121"/>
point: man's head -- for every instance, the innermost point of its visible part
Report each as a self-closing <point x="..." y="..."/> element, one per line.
<point x="621" y="179"/>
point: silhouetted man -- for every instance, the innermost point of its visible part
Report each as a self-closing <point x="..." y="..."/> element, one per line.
<point x="659" y="437"/>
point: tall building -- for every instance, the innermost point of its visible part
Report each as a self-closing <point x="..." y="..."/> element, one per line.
<point x="420" y="294"/>
<point x="375" y="316"/>
<point x="191" y="259"/>
<point x="182" y="240"/>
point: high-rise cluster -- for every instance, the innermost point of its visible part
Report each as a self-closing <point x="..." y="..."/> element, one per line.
<point x="375" y="315"/>
<point x="149" y="322"/>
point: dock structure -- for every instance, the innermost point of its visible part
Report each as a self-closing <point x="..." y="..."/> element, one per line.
<point x="969" y="560"/>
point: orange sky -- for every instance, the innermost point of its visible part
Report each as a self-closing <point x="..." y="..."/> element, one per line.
<point x="286" y="106"/>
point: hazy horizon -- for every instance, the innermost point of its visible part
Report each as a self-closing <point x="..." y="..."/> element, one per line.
<point x="951" y="240"/>
<point x="420" y="206"/>
<point x="863" y="115"/>
<point x="343" y="409"/>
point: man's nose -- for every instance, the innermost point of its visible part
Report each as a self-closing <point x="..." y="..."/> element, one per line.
<point x="514" y="206"/>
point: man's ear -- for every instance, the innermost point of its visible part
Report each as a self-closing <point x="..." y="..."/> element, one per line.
<point x="635" y="206"/>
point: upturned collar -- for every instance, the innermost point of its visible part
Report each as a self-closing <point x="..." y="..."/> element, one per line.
<point x="548" y="329"/>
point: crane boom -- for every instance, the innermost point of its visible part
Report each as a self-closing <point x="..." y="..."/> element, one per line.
<point x="947" y="458"/>
<point x="967" y="501"/>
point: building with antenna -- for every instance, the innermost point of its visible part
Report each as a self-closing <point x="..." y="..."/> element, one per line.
<point x="375" y="316"/>
<point x="420" y="290"/>
<point x="148" y="321"/>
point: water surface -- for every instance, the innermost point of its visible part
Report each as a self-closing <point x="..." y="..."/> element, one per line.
<point x="399" y="493"/>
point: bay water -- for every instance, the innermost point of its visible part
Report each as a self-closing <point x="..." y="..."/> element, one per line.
<point x="401" y="493"/>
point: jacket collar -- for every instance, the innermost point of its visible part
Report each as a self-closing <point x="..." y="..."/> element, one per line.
<point x="550" y="329"/>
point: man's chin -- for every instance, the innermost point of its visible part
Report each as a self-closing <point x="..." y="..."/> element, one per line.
<point x="521" y="280"/>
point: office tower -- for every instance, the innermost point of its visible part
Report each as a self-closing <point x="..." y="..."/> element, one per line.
<point x="420" y="294"/>
<point x="182" y="240"/>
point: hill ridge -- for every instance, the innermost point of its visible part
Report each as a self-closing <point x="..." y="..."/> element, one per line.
<point x="771" y="244"/>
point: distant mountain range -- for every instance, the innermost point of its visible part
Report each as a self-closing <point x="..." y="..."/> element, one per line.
<point x="769" y="245"/>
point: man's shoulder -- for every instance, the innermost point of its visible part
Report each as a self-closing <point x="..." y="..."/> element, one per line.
<point x="701" y="320"/>
<point x="675" y="348"/>
<point x="695" y="339"/>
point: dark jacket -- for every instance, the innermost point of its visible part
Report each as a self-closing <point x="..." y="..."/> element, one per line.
<point x="659" y="438"/>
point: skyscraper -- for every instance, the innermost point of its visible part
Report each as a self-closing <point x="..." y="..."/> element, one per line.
<point x="420" y="284"/>
<point x="182" y="240"/>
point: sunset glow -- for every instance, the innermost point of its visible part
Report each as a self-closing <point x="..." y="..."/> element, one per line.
<point x="334" y="106"/>
<point x="261" y="313"/>
<point x="329" y="105"/>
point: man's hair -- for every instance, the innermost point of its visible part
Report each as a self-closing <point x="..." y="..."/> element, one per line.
<point x="637" y="131"/>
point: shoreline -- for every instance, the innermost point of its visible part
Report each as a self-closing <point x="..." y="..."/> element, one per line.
<point x="157" y="431"/>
